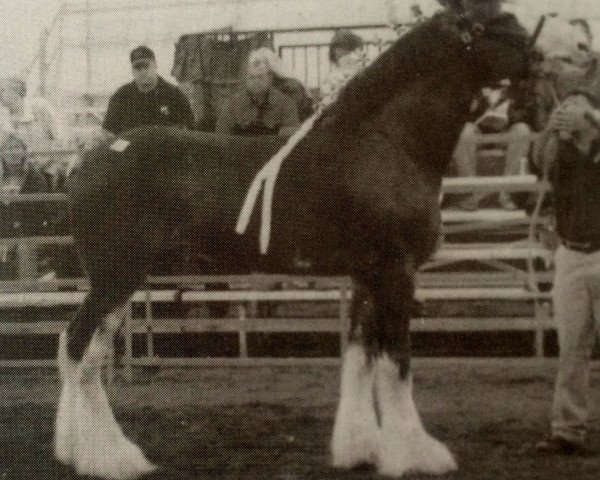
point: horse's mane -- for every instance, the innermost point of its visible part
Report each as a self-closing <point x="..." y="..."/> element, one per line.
<point x="418" y="54"/>
<point x="406" y="59"/>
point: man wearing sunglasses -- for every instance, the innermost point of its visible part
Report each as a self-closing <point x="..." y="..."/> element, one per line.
<point x="147" y="100"/>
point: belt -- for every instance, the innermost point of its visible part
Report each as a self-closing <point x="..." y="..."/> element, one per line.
<point x="583" y="247"/>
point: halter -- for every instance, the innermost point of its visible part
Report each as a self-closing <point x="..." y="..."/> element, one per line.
<point x="538" y="30"/>
<point x="469" y="31"/>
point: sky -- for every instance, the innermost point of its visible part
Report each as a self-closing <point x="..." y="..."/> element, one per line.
<point x="23" y="21"/>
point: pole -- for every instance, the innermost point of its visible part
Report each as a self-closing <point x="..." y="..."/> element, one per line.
<point x="88" y="48"/>
<point x="43" y="59"/>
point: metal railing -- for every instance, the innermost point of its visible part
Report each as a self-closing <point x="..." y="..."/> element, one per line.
<point x="248" y="291"/>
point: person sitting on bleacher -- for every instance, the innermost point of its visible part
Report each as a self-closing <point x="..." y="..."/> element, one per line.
<point x="259" y="108"/>
<point x="347" y="57"/>
<point x="33" y="120"/>
<point x="28" y="124"/>
<point x="283" y="80"/>
<point x="495" y="111"/>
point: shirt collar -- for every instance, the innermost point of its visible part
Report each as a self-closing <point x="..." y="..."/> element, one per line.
<point x="159" y="83"/>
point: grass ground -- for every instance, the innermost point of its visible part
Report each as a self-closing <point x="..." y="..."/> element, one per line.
<point x="275" y="423"/>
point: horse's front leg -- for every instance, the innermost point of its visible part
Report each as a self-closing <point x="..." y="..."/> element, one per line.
<point x="405" y="445"/>
<point x="355" y="438"/>
<point x="87" y="435"/>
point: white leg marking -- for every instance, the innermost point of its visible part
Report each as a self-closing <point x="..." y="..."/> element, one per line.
<point x="405" y="445"/>
<point x="63" y="436"/>
<point x="87" y="434"/>
<point x="356" y="434"/>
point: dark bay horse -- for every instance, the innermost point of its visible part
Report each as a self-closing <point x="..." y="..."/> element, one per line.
<point x="358" y="195"/>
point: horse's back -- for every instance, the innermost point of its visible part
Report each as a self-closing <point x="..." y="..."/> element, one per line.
<point x="155" y="183"/>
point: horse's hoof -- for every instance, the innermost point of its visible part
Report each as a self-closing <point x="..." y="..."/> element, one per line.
<point x="355" y="447"/>
<point x="419" y="453"/>
<point x="87" y="435"/>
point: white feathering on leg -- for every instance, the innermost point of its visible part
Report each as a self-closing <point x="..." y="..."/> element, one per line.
<point x="87" y="434"/>
<point x="355" y="438"/>
<point x="405" y="445"/>
<point x="63" y="436"/>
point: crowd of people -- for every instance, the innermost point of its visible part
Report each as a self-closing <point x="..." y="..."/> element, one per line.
<point x="270" y="101"/>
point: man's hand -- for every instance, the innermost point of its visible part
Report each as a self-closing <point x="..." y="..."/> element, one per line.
<point x="562" y="120"/>
<point x="572" y="122"/>
<point x="567" y="119"/>
<point x="570" y="116"/>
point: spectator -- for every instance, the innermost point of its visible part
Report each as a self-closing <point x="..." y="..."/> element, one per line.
<point x="29" y="123"/>
<point x="347" y="57"/>
<point x="401" y="26"/>
<point x="569" y="148"/>
<point x="32" y="121"/>
<point x="496" y="111"/>
<point x="259" y="108"/>
<point x="283" y="81"/>
<point x="147" y="100"/>
<point x="12" y="163"/>
<point x="31" y="118"/>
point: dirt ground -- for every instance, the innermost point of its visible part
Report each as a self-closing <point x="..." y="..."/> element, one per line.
<point x="275" y="423"/>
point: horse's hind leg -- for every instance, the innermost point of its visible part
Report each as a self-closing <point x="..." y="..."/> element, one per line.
<point x="405" y="445"/>
<point x="355" y="438"/>
<point x="87" y="435"/>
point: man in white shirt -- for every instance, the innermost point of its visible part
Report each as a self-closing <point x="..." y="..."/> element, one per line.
<point x="33" y="118"/>
<point x="33" y="121"/>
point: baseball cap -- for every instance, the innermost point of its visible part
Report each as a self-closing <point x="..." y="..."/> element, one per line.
<point x="141" y="53"/>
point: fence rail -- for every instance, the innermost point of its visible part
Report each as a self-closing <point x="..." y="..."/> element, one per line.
<point x="506" y="284"/>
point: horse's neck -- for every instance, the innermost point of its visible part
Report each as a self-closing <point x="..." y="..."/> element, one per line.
<point x="426" y="119"/>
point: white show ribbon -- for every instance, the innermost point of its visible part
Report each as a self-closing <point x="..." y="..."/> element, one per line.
<point x="267" y="176"/>
<point x="268" y="173"/>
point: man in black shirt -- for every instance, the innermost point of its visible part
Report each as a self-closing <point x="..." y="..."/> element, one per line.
<point x="148" y="100"/>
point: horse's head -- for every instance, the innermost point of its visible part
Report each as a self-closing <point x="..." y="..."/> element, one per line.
<point x="499" y="46"/>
